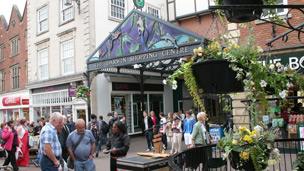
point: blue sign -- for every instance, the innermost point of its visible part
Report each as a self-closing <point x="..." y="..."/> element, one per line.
<point x="216" y="133"/>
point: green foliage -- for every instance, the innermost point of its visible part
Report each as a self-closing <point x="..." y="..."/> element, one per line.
<point x="259" y="80"/>
<point x="298" y="165"/>
<point x="256" y="145"/>
<point x="83" y="92"/>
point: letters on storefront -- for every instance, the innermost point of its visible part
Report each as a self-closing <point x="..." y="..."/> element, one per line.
<point x="294" y="61"/>
<point x="146" y="57"/>
<point x="14" y="101"/>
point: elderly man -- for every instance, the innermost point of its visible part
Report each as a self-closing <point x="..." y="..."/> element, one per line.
<point x="49" y="143"/>
<point x="81" y="146"/>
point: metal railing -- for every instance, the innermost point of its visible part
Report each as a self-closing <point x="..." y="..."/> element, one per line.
<point x="209" y="157"/>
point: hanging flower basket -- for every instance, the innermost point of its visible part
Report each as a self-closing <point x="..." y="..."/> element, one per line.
<point x="242" y="15"/>
<point x="215" y="76"/>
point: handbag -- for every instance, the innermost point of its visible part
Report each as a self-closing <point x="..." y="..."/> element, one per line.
<point x="70" y="162"/>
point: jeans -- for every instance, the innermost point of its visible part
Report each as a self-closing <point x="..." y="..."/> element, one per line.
<point x="149" y="135"/>
<point x="102" y="141"/>
<point x="87" y="165"/>
<point x="46" y="164"/>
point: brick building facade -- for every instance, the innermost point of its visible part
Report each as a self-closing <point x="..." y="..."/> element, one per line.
<point x="209" y="25"/>
<point x="14" y="97"/>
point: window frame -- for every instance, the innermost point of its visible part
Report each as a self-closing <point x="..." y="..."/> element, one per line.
<point x="2" y="81"/>
<point x="15" y="77"/>
<point x="46" y="7"/>
<point x="117" y="6"/>
<point x="153" y="8"/>
<point x="63" y="57"/>
<point x="285" y="10"/>
<point x="14" y="43"/>
<point x="2" y="52"/>
<point x="64" y="8"/>
<point x="40" y="64"/>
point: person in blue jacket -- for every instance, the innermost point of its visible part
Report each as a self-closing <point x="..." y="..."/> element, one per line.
<point x="187" y="129"/>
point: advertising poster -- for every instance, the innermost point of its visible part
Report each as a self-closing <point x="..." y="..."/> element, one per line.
<point x="301" y="135"/>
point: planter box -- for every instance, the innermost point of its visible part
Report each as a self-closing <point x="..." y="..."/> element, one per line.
<point x="242" y="15"/>
<point x="215" y="76"/>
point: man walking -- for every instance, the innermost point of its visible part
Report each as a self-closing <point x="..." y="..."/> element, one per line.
<point x="103" y="133"/>
<point x="49" y="143"/>
<point x="81" y="146"/>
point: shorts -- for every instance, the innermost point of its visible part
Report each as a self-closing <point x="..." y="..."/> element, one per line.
<point x="188" y="138"/>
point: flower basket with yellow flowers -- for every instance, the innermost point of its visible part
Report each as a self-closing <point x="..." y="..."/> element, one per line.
<point x="250" y="150"/>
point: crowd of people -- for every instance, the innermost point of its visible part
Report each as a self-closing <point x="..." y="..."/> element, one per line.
<point x="174" y="128"/>
<point x="63" y="143"/>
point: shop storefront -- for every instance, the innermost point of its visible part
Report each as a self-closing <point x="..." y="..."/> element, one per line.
<point x="125" y="99"/>
<point x="14" y="106"/>
<point x="59" y="98"/>
<point x="145" y="53"/>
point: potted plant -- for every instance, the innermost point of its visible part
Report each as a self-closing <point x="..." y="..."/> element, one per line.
<point x="244" y="60"/>
<point x="250" y="150"/>
<point x="242" y="14"/>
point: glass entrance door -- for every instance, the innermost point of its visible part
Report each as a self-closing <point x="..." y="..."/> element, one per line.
<point x="136" y="111"/>
<point x="156" y="103"/>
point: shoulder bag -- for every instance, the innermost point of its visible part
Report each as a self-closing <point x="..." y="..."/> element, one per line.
<point x="70" y="162"/>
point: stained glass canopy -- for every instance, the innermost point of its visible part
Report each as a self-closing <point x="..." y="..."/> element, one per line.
<point x="142" y="40"/>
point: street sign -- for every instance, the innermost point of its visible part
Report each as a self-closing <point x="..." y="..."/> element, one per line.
<point x="139" y="3"/>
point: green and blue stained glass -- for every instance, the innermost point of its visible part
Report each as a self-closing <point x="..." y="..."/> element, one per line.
<point x="142" y="33"/>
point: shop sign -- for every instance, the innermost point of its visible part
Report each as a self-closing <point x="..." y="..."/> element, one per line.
<point x="136" y="87"/>
<point x="294" y="61"/>
<point x="25" y="101"/>
<point x="14" y="101"/>
<point x="145" y="57"/>
<point x="72" y="91"/>
<point x="11" y="101"/>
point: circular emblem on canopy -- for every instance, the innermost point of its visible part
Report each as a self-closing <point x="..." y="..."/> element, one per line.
<point x="139" y="3"/>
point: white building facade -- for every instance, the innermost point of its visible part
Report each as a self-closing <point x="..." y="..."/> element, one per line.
<point x="61" y="35"/>
<point x="59" y="40"/>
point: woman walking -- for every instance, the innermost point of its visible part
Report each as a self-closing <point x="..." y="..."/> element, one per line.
<point x="177" y="135"/>
<point x="10" y="136"/>
<point x="199" y="134"/>
<point x="23" y="135"/>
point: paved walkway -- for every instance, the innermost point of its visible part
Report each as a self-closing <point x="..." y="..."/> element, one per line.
<point x="138" y="144"/>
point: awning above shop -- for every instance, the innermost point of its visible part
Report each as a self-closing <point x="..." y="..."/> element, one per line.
<point x="146" y="42"/>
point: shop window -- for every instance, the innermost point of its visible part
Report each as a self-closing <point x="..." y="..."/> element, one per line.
<point x="118" y="104"/>
<point x="2" y="81"/>
<point x="117" y="9"/>
<point x="15" y="76"/>
<point x="67" y="57"/>
<point x="42" y="19"/>
<point x="43" y="59"/>
<point x="14" y="46"/>
<point x="153" y="11"/>
<point x="1" y="52"/>
<point x="66" y="11"/>
<point x="67" y="110"/>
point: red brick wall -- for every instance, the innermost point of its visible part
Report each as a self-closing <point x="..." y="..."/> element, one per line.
<point x="208" y="26"/>
<point x="17" y="26"/>
<point x="263" y="31"/>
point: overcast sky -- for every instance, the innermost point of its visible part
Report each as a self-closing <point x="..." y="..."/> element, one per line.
<point x="6" y="7"/>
